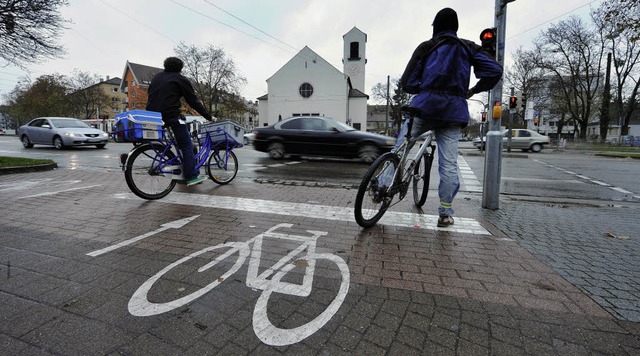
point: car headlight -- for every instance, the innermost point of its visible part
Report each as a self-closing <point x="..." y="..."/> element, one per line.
<point x="104" y="134"/>
<point x="390" y="142"/>
<point x="71" y="134"/>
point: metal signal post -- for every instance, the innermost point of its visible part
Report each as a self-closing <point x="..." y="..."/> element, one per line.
<point x="493" y="157"/>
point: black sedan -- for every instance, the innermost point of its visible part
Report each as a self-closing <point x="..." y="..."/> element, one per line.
<point x="320" y="136"/>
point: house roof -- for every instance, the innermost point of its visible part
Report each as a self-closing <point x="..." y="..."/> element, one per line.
<point x="355" y="93"/>
<point x="142" y="74"/>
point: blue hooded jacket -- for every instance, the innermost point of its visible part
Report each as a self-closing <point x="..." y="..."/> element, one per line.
<point x="439" y="72"/>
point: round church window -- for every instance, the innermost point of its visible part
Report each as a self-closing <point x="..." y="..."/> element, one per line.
<point x="306" y="90"/>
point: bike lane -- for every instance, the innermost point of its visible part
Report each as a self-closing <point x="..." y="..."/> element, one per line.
<point x="402" y="286"/>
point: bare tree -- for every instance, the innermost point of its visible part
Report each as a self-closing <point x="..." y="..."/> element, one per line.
<point x="86" y="96"/>
<point x="572" y="53"/>
<point x="216" y="78"/>
<point x="29" y="30"/>
<point x="623" y="44"/>
<point x="396" y="98"/>
<point x="46" y="96"/>
<point x="528" y="77"/>
<point x="623" y="15"/>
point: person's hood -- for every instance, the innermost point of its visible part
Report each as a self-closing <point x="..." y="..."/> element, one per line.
<point x="445" y="20"/>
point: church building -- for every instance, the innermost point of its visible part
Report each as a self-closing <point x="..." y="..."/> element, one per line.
<point x="308" y="85"/>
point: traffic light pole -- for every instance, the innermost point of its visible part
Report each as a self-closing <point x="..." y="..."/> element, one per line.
<point x="493" y="156"/>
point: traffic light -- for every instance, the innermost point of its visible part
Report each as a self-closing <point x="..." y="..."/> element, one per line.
<point x="535" y="122"/>
<point x="488" y="38"/>
<point x="523" y="104"/>
<point x="484" y="116"/>
<point x="513" y="102"/>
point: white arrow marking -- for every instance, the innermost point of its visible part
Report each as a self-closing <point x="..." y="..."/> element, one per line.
<point x="170" y="225"/>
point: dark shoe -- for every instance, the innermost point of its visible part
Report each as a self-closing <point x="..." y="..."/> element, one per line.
<point x="445" y="221"/>
<point x="196" y="180"/>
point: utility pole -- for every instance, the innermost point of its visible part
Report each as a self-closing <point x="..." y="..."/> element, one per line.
<point x="493" y="157"/>
<point x="386" y="117"/>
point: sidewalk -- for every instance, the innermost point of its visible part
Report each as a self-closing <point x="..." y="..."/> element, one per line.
<point x="509" y="287"/>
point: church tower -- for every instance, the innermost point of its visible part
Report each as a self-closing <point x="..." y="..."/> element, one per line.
<point x="354" y="58"/>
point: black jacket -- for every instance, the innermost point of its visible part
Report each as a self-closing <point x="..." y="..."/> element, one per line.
<point x="165" y="92"/>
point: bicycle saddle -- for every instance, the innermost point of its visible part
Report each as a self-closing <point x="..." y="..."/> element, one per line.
<point x="410" y="110"/>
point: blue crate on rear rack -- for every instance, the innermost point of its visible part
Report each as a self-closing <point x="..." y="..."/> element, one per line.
<point x="224" y="133"/>
<point x="138" y="125"/>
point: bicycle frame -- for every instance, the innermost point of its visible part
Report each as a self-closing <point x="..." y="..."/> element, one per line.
<point x="172" y="166"/>
<point x="403" y="171"/>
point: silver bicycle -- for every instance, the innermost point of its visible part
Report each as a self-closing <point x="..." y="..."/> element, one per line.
<point x="392" y="174"/>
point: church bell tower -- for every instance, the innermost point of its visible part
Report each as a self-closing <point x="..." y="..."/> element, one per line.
<point x="354" y="58"/>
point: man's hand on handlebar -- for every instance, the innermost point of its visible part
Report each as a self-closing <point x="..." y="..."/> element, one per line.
<point x="470" y="93"/>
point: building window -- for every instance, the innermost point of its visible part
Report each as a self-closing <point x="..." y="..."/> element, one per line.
<point x="354" y="51"/>
<point x="306" y="90"/>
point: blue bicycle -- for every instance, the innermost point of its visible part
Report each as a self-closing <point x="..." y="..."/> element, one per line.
<point x="153" y="168"/>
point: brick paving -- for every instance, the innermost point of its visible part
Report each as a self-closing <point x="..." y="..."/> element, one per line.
<point x="522" y="289"/>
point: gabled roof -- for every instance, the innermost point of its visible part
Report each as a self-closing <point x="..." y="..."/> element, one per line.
<point x="142" y="74"/>
<point x="355" y="93"/>
<point x="308" y="54"/>
<point x="112" y="81"/>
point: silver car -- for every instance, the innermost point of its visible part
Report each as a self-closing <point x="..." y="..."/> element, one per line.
<point x="61" y="132"/>
<point x="522" y="139"/>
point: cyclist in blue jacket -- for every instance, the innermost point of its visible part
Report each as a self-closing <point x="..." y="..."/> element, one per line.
<point x="439" y="74"/>
<point x="165" y="91"/>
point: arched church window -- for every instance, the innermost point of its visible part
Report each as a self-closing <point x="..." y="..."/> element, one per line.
<point x="306" y="90"/>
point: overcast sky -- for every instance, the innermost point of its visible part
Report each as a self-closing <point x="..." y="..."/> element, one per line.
<point x="262" y="35"/>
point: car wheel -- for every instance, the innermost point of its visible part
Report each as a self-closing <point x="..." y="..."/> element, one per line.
<point x="57" y="143"/>
<point x="246" y="141"/>
<point x="536" y="147"/>
<point x="26" y="143"/>
<point x="368" y="153"/>
<point x="276" y="150"/>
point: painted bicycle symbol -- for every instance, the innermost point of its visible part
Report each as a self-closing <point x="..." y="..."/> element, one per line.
<point x="269" y="281"/>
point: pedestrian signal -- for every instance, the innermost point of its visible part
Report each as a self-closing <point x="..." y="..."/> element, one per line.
<point x="488" y="39"/>
<point x="513" y="102"/>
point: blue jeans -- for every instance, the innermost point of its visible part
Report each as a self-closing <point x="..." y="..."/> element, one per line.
<point x="183" y="139"/>
<point x="447" y="135"/>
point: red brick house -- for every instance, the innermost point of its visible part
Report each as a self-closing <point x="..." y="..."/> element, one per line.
<point x="135" y="83"/>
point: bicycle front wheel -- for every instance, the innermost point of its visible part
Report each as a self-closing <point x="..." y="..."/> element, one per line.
<point x="144" y="171"/>
<point x="373" y="196"/>
<point x="222" y="166"/>
<point x="421" y="176"/>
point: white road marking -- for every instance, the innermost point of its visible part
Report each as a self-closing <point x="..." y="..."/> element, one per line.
<point x="59" y="191"/>
<point x="623" y="191"/>
<point x="170" y="225"/>
<point x="469" y="179"/>
<point x="422" y="221"/>
<point x="589" y="179"/>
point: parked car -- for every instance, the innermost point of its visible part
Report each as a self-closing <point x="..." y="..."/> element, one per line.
<point x="523" y="139"/>
<point x="320" y="136"/>
<point x="61" y="132"/>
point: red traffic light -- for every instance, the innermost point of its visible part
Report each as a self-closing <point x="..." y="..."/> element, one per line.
<point x="489" y="38"/>
<point x="488" y="34"/>
<point x="513" y="102"/>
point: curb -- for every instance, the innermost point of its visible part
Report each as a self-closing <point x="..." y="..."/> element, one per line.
<point x="28" y="169"/>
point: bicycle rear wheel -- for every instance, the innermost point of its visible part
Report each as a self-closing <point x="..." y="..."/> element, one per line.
<point x="221" y="169"/>
<point x="143" y="171"/>
<point x="372" y="199"/>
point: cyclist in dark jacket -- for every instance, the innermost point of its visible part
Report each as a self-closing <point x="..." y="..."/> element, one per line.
<point x="165" y="91"/>
<point x="438" y="73"/>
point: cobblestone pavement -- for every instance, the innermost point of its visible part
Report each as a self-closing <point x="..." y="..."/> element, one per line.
<point x="88" y="268"/>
